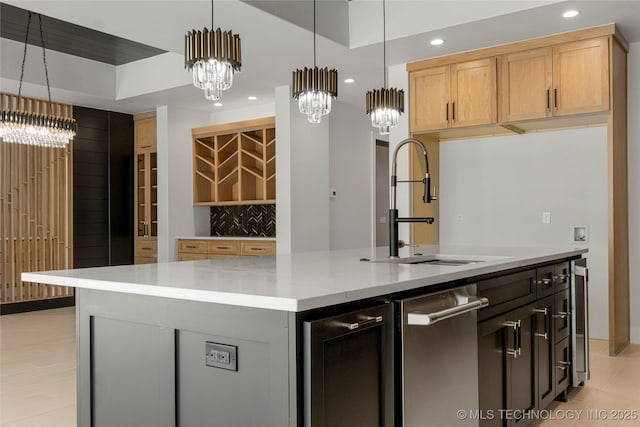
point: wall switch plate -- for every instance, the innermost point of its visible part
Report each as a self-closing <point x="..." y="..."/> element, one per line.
<point x="383" y="220"/>
<point x="546" y="217"/>
<point x="221" y="356"/>
<point x="460" y="219"/>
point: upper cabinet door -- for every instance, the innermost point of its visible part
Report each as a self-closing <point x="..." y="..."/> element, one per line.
<point x="430" y="97"/>
<point x="145" y="133"/>
<point x="473" y="89"/>
<point x="525" y="85"/>
<point x="581" y="77"/>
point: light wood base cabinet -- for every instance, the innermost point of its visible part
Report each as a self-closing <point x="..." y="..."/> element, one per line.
<point x="189" y="250"/>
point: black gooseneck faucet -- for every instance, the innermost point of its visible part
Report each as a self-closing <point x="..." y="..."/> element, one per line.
<point x="394" y="220"/>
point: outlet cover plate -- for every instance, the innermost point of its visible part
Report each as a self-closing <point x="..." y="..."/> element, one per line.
<point x="223" y="356"/>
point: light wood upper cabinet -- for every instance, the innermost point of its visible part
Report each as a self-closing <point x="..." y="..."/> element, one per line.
<point x="454" y="96"/>
<point x="581" y="77"/>
<point x="473" y="93"/>
<point x="430" y="96"/>
<point x="570" y="78"/>
<point x="525" y="85"/>
<point x="145" y="132"/>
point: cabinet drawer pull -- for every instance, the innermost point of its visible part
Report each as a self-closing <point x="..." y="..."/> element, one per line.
<point x="223" y="247"/>
<point x="146" y="249"/>
<point x="562" y="315"/>
<point x="192" y="247"/>
<point x="560" y="277"/>
<point x="257" y="249"/>
<point x="563" y="365"/>
<point x="367" y="320"/>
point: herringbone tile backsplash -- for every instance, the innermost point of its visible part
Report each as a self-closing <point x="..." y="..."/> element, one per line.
<point x="244" y="221"/>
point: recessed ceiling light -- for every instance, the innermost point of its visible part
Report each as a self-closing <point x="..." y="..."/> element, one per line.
<point x="437" y="42"/>
<point x="349" y="80"/>
<point x="251" y="98"/>
<point x="571" y="14"/>
<point x="218" y="104"/>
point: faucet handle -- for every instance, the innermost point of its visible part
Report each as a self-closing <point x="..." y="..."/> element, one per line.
<point x="402" y="244"/>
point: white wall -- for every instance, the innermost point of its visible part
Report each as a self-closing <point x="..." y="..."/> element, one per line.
<point x="302" y="184"/>
<point x="351" y="149"/>
<point x="177" y="216"/>
<point x="634" y="186"/>
<point x="219" y="116"/>
<point x="502" y="185"/>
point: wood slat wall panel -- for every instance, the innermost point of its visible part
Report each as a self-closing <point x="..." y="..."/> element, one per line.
<point x="35" y="215"/>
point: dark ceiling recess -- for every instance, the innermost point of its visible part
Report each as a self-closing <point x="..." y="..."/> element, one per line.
<point x="72" y="39"/>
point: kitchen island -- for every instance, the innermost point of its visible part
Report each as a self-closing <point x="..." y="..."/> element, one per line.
<point x="222" y="342"/>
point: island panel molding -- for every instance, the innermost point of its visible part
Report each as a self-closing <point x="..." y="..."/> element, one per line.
<point x="235" y="163"/>
<point x="569" y="80"/>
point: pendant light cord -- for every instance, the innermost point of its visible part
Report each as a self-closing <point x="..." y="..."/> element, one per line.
<point x="384" y="42"/>
<point x="24" y="57"/>
<point x="314" y="33"/>
<point x="44" y="59"/>
<point x="211" y="15"/>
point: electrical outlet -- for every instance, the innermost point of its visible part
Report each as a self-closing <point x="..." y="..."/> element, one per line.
<point x="221" y="356"/>
<point x="460" y="219"/>
<point x="383" y="220"/>
<point x="546" y="217"/>
<point x="333" y="194"/>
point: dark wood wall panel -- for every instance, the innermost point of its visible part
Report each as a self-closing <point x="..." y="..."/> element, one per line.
<point x="103" y="188"/>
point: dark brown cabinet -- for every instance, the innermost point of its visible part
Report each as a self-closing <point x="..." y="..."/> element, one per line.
<point x="524" y="351"/>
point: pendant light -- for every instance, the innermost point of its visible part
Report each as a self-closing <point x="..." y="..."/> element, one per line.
<point x="213" y="57"/>
<point x="385" y="105"/>
<point x="40" y="128"/>
<point x="315" y="88"/>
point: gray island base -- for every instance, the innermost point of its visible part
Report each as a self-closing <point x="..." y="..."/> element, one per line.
<point x="336" y="338"/>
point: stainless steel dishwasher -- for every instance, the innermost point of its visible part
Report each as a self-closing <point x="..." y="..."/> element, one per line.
<point x="438" y="363"/>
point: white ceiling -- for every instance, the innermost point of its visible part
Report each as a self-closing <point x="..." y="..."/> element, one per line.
<point x="274" y="46"/>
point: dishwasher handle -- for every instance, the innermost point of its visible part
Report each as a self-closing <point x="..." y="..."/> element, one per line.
<point x="420" y="319"/>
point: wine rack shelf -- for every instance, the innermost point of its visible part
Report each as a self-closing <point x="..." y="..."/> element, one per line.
<point x="235" y="163"/>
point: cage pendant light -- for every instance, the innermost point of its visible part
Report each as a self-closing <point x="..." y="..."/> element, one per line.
<point x="385" y="105"/>
<point x="315" y="88"/>
<point x="213" y="56"/>
<point x="40" y="128"/>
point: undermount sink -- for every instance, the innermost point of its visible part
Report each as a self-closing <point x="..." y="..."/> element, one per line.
<point x="443" y="259"/>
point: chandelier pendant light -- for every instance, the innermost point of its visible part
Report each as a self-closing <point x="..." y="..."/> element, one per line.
<point x="39" y="128"/>
<point x="315" y="88"/>
<point x="385" y="105"/>
<point x="213" y="56"/>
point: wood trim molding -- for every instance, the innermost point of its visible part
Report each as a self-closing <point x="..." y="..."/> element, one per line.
<point x="245" y="125"/>
<point x="588" y="33"/>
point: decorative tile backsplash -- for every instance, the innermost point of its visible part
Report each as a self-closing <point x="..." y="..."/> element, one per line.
<point x="244" y="221"/>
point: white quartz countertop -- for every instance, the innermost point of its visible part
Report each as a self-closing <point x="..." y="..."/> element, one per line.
<point x="297" y="282"/>
<point x="266" y="239"/>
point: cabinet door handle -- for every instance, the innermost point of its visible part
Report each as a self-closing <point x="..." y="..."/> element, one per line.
<point x="544" y="334"/>
<point x="548" y="100"/>
<point x="562" y="315"/>
<point x="560" y="278"/>
<point x="563" y="365"/>
<point x="446" y="110"/>
<point x="515" y="326"/>
<point x="555" y="99"/>
<point x="453" y="111"/>
<point x="545" y="282"/>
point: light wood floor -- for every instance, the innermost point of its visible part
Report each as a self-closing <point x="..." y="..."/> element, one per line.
<point x="38" y="389"/>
